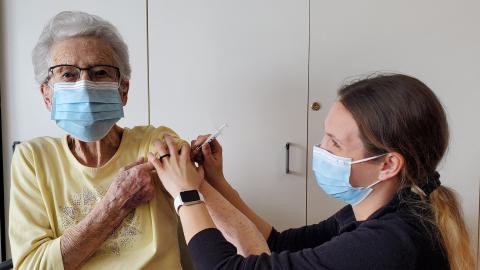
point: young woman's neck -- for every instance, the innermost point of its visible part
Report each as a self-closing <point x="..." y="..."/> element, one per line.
<point x="382" y="194"/>
<point x="96" y="154"/>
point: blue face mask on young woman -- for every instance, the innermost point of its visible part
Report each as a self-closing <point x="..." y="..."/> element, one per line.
<point x="333" y="176"/>
<point x="86" y="110"/>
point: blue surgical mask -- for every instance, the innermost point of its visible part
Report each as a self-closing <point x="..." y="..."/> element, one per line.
<point x="333" y="176"/>
<point x="86" y="110"/>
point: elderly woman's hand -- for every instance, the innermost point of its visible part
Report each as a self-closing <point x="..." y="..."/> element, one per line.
<point x="210" y="157"/>
<point x="132" y="187"/>
<point x="175" y="169"/>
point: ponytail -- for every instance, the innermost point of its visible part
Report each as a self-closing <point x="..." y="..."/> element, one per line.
<point x="451" y="226"/>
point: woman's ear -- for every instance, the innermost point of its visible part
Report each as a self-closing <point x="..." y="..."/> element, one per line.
<point x="124" y="86"/>
<point x="47" y="95"/>
<point x="392" y="164"/>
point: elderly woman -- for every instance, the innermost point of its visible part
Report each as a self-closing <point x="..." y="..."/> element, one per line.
<point x="88" y="199"/>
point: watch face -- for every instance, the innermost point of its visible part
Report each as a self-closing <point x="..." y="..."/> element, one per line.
<point x="189" y="196"/>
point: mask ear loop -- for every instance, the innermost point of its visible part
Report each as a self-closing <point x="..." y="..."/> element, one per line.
<point x="374" y="183"/>
<point x="367" y="159"/>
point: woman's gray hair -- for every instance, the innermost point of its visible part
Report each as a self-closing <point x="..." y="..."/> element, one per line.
<point x="70" y="24"/>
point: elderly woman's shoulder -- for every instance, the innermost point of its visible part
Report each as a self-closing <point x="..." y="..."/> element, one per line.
<point x="150" y="128"/>
<point x="147" y="134"/>
<point x="152" y="131"/>
<point x="38" y="143"/>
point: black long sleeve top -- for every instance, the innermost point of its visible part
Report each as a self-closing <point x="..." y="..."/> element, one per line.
<point x="391" y="238"/>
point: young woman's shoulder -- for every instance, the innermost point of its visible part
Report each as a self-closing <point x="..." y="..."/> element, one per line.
<point x="402" y="231"/>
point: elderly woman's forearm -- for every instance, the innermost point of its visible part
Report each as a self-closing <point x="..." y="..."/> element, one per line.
<point x="80" y="242"/>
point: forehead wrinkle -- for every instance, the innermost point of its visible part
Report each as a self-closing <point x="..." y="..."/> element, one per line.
<point x="82" y="52"/>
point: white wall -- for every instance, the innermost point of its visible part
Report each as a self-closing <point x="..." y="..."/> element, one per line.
<point x="244" y="63"/>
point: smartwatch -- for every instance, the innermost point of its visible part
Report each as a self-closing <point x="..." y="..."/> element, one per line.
<point x="187" y="197"/>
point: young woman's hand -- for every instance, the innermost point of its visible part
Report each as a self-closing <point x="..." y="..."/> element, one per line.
<point x="175" y="169"/>
<point x="210" y="157"/>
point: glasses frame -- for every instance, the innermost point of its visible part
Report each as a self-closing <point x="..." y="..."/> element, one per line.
<point x="87" y="69"/>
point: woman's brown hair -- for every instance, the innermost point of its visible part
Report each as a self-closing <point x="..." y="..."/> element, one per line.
<point x="399" y="113"/>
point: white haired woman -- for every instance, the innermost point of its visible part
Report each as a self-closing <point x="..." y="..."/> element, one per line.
<point x="74" y="200"/>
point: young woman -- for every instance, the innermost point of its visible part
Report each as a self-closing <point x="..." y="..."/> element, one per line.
<point x="384" y="138"/>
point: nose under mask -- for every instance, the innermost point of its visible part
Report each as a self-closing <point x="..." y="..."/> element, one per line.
<point x="332" y="174"/>
<point x="86" y="110"/>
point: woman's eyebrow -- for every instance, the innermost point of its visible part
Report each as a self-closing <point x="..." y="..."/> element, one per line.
<point x="333" y="137"/>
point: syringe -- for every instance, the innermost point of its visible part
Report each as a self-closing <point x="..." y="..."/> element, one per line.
<point x="212" y="137"/>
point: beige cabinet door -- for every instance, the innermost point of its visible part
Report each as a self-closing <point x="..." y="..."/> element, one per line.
<point x="436" y="41"/>
<point x="243" y="63"/>
<point x="24" y="114"/>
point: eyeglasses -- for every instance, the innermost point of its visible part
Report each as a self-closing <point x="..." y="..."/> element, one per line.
<point x="72" y="73"/>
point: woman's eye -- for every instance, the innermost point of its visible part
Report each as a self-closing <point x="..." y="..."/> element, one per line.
<point x="101" y="74"/>
<point x="335" y="144"/>
<point x="68" y="75"/>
